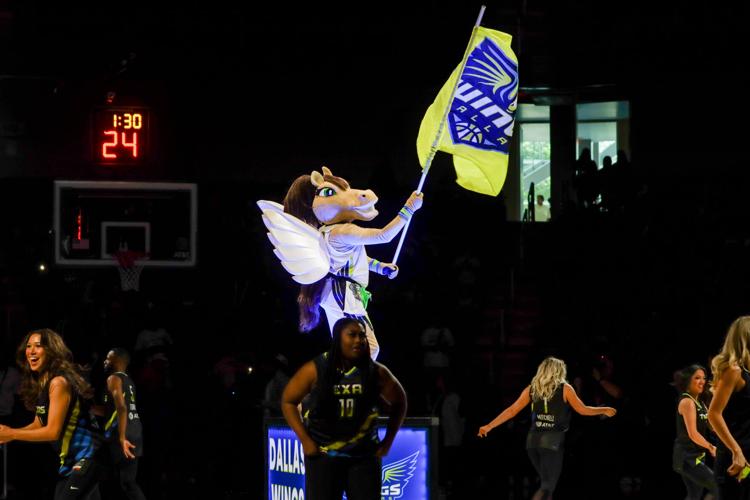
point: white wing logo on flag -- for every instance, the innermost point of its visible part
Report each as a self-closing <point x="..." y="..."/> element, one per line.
<point x="482" y="112"/>
<point x="396" y="476"/>
<point x="490" y="72"/>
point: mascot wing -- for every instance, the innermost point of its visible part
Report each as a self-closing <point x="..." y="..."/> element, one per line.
<point x="300" y="248"/>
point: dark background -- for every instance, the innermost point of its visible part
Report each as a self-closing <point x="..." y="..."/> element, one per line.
<point x="245" y="98"/>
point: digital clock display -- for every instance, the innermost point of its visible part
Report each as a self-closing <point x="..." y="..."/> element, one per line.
<point x="120" y="135"/>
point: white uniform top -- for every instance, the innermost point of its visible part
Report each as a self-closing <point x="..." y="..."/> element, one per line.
<point x="349" y="261"/>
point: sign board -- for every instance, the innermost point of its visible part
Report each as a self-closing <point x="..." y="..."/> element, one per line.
<point x="409" y="469"/>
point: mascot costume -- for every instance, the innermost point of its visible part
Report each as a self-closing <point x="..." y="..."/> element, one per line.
<point x="317" y="242"/>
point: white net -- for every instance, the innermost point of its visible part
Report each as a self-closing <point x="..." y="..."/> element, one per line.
<point x="130" y="277"/>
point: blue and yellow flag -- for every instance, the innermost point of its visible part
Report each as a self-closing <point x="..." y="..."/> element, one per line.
<point x="479" y="122"/>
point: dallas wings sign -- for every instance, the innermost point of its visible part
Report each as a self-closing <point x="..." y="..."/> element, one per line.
<point x="405" y="473"/>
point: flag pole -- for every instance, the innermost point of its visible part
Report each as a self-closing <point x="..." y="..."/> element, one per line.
<point x="436" y="142"/>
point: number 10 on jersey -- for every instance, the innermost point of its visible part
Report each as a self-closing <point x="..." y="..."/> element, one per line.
<point x="347" y="408"/>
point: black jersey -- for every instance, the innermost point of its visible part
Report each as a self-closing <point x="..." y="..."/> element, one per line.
<point x="134" y="430"/>
<point x="80" y="437"/>
<point x="550" y="420"/>
<point x="684" y="447"/>
<point x="342" y="413"/>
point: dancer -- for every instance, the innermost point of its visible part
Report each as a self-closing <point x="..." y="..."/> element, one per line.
<point x="54" y="386"/>
<point x="339" y="437"/>
<point x="691" y="443"/>
<point x="551" y="399"/>
<point x="123" y="431"/>
<point x="729" y="413"/>
<point x="316" y="240"/>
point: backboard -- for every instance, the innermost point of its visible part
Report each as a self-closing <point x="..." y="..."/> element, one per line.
<point x="95" y="219"/>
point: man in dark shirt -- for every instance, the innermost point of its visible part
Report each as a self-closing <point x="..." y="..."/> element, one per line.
<point x="122" y="430"/>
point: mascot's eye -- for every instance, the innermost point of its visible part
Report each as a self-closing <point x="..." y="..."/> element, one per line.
<point x="326" y="192"/>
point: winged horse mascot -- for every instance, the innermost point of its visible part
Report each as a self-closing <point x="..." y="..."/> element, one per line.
<point x="315" y="238"/>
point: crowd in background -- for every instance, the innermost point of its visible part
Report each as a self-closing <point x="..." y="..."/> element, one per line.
<point x="608" y="286"/>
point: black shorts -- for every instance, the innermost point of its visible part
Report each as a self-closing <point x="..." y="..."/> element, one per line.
<point x="327" y="478"/>
<point x="83" y="479"/>
<point x="729" y="487"/>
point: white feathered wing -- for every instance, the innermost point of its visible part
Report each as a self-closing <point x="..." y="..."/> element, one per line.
<point x="301" y="249"/>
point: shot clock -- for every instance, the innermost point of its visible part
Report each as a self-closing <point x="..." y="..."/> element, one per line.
<point x="120" y="135"/>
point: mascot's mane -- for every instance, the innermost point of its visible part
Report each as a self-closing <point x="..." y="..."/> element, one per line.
<point x="298" y="202"/>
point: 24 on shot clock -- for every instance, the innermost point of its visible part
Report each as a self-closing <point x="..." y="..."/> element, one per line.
<point x="120" y="135"/>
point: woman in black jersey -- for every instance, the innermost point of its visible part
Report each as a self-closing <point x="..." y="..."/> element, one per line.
<point x="690" y="444"/>
<point x="551" y="399"/>
<point x="729" y="413"/>
<point x="53" y="386"/>
<point x="339" y="436"/>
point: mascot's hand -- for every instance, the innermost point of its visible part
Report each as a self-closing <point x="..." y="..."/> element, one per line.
<point x="390" y="270"/>
<point x="415" y="201"/>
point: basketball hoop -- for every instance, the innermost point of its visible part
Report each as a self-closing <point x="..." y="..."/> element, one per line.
<point x="130" y="267"/>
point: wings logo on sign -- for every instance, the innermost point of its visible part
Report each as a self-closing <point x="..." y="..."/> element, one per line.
<point x="396" y="476"/>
